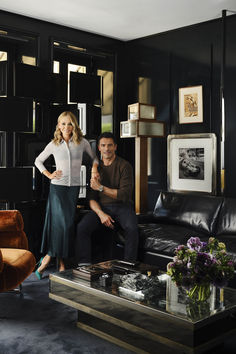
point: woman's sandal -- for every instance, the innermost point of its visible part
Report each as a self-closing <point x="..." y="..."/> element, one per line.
<point x="39" y="275"/>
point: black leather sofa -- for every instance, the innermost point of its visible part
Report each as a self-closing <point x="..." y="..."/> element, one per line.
<point x="177" y="217"/>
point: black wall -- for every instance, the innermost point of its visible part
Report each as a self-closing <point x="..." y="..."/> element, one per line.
<point x="189" y="56"/>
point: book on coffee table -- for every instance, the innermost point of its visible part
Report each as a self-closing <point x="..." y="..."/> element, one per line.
<point x="91" y="273"/>
<point x="95" y="271"/>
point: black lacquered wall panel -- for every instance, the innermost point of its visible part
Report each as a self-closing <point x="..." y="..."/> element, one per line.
<point x="189" y="56"/>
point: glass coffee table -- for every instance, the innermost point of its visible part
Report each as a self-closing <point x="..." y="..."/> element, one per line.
<point x="140" y="309"/>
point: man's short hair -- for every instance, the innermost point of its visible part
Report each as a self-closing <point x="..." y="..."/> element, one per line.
<point x="107" y="135"/>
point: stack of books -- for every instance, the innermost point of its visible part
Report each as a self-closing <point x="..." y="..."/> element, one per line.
<point x="90" y="273"/>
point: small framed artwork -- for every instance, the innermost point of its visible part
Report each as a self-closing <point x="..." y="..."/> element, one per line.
<point x="192" y="163"/>
<point x="190" y="105"/>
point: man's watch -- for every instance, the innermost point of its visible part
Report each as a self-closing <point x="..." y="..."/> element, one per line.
<point x="101" y="188"/>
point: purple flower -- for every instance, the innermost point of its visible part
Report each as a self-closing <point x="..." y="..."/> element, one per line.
<point x="195" y="243"/>
<point x="201" y="263"/>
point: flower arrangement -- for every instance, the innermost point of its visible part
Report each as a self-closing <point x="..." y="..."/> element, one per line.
<point x="199" y="264"/>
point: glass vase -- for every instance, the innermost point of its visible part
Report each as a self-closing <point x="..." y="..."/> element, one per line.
<point x="200" y="292"/>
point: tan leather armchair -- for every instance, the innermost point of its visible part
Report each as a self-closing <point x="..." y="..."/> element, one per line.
<point x="16" y="261"/>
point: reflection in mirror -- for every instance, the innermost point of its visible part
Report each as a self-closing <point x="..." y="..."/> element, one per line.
<point x="73" y="57"/>
<point x="74" y="68"/>
<point x="144" y="96"/>
<point x="56" y="67"/>
<point x="3" y="74"/>
<point x="107" y="108"/>
<point x="28" y="60"/>
<point x="24" y="43"/>
<point x="3" y="56"/>
<point x="144" y="90"/>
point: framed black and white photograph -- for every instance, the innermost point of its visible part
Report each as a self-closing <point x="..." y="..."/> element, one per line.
<point x="192" y="163"/>
<point x="190" y="105"/>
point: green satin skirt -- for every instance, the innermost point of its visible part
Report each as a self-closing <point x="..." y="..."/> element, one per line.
<point x="59" y="226"/>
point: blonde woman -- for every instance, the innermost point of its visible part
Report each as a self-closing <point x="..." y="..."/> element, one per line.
<point x="67" y="147"/>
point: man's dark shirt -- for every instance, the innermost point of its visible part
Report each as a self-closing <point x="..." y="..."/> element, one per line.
<point x="118" y="175"/>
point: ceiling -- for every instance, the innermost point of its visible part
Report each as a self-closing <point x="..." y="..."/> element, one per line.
<point x="121" y="19"/>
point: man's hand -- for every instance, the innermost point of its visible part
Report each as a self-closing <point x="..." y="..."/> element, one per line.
<point x="106" y="220"/>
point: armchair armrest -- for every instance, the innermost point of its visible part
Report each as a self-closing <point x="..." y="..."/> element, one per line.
<point x="1" y="262"/>
<point x="12" y="233"/>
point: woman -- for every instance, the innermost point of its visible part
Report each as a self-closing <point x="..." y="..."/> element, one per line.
<point x="67" y="147"/>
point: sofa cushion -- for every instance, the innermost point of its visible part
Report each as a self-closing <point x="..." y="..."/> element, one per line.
<point x="197" y="211"/>
<point x="227" y="218"/>
<point x="164" y="238"/>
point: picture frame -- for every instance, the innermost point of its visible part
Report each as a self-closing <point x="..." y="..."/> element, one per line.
<point x="190" y="105"/>
<point x="191" y="163"/>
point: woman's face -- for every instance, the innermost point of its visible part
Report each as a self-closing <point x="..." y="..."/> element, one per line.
<point x="65" y="126"/>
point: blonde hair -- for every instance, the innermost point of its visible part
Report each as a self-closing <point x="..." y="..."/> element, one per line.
<point x="76" y="132"/>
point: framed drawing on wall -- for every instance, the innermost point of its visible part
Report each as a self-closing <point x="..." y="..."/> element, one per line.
<point x="192" y="163"/>
<point x="190" y="105"/>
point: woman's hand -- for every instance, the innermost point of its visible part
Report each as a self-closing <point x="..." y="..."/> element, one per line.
<point x="55" y="175"/>
<point x="95" y="184"/>
<point x="95" y="174"/>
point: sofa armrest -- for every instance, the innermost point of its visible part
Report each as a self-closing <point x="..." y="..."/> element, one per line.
<point x="147" y="218"/>
<point x="12" y="233"/>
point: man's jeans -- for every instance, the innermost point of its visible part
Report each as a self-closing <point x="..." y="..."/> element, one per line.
<point x="124" y="215"/>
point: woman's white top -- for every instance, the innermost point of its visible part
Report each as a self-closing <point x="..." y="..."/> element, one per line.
<point x="68" y="159"/>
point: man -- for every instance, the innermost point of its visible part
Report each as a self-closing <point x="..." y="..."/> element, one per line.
<point x="110" y="202"/>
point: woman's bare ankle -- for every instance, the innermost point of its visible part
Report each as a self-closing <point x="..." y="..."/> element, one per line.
<point x="61" y="266"/>
<point x="44" y="264"/>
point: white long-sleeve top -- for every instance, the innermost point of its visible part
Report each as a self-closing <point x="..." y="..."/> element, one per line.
<point x="68" y="159"/>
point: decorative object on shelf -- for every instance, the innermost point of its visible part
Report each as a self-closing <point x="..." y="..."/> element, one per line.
<point x="141" y="111"/>
<point x="192" y="163"/>
<point x="199" y="265"/>
<point x="141" y="125"/>
<point x="190" y="105"/>
<point x="141" y="128"/>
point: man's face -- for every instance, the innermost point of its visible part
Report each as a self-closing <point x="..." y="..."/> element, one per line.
<point x="107" y="147"/>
